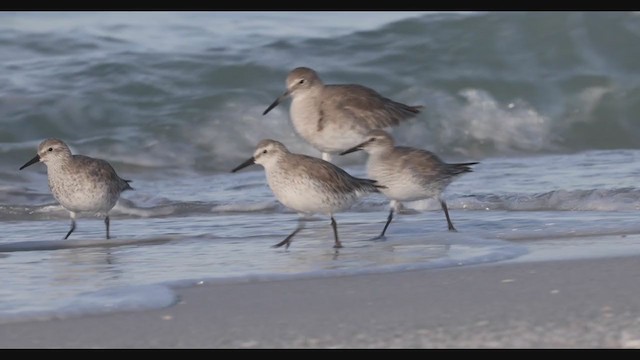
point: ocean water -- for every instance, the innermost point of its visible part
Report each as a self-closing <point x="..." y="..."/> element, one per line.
<point x="547" y="102"/>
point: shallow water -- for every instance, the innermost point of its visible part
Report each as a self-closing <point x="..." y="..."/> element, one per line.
<point x="545" y="101"/>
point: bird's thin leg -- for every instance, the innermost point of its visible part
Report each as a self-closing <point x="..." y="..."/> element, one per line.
<point x="287" y="240"/>
<point x="335" y="233"/>
<point x="394" y="206"/>
<point x="389" y="218"/>
<point x="446" y="213"/>
<point x="106" y="222"/>
<point x="73" y="224"/>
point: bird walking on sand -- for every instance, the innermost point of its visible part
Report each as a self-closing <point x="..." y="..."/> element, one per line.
<point x="307" y="184"/>
<point x="407" y="173"/>
<point x="79" y="183"/>
<point x="333" y="118"/>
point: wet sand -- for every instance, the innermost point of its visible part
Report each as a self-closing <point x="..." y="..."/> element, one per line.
<point x="575" y="303"/>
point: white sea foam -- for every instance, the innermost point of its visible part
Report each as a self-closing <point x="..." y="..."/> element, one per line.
<point x="107" y="300"/>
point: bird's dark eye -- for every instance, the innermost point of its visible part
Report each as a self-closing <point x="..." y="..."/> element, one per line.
<point x="264" y="151"/>
<point x="301" y="81"/>
<point x="50" y="149"/>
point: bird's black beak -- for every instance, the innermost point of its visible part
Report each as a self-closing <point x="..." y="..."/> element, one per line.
<point x="353" y="149"/>
<point x="31" y="162"/>
<point x="276" y="102"/>
<point x="250" y="161"/>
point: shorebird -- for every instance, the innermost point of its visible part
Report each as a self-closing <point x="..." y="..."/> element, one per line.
<point x="333" y="118"/>
<point x="307" y="184"/>
<point x="79" y="183"/>
<point x="407" y="173"/>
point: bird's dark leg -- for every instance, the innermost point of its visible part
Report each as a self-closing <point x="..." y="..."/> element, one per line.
<point x="335" y="233"/>
<point x="287" y="240"/>
<point x="446" y="213"/>
<point x="73" y="225"/>
<point x="106" y="222"/>
<point x="389" y="218"/>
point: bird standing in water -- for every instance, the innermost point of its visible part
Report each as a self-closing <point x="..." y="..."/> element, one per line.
<point x="307" y="184"/>
<point x="407" y="173"/>
<point x="333" y="118"/>
<point x="79" y="183"/>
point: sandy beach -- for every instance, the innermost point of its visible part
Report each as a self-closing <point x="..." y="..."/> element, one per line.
<point x="580" y="303"/>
